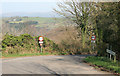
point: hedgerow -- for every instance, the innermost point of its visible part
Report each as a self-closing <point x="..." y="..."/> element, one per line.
<point x="25" y="43"/>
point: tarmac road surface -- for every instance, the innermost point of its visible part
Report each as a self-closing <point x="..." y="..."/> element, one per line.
<point x="69" y="64"/>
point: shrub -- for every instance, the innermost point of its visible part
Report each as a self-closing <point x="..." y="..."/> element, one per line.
<point x="9" y="40"/>
<point x="25" y="43"/>
<point x="101" y="47"/>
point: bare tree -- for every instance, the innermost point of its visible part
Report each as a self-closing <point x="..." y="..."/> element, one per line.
<point x="78" y="12"/>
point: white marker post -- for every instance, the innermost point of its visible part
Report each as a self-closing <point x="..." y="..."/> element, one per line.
<point x="41" y="42"/>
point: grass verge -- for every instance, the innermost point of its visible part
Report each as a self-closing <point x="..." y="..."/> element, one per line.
<point x="104" y="64"/>
<point x="20" y="55"/>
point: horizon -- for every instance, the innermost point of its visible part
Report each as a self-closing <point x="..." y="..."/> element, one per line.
<point x="12" y="8"/>
<point x="28" y="9"/>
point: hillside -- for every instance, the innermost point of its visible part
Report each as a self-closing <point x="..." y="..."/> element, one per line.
<point x="58" y="30"/>
<point x="39" y="25"/>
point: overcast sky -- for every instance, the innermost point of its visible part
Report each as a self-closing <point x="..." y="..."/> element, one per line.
<point x="30" y="0"/>
<point x="29" y="7"/>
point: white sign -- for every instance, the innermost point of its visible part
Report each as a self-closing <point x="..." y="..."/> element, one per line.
<point x="93" y="41"/>
<point x="41" y="38"/>
<point x="111" y="52"/>
<point x="41" y="42"/>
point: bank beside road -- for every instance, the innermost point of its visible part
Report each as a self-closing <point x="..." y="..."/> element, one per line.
<point x="104" y="64"/>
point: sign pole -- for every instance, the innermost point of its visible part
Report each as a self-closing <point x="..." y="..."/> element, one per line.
<point x="40" y="42"/>
<point x="115" y="58"/>
<point x="93" y="37"/>
<point x="110" y="49"/>
<point x="110" y="56"/>
<point x="111" y="53"/>
<point x="41" y="48"/>
<point x="93" y="46"/>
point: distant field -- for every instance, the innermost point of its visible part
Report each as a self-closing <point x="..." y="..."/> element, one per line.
<point x="45" y="22"/>
<point x="40" y="25"/>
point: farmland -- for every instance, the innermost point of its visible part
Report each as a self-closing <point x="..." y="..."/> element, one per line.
<point x="39" y="25"/>
<point x="42" y="21"/>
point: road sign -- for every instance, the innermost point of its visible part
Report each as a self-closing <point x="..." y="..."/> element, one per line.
<point x="41" y="42"/>
<point x="93" y="37"/>
<point x="40" y="38"/>
<point x="93" y="41"/>
<point x="111" y="52"/>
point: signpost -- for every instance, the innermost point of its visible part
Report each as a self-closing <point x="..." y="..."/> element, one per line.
<point x="41" y="42"/>
<point x="93" y="37"/>
<point x="111" y="53"/>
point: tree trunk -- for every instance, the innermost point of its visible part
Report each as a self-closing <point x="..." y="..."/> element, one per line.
<point x="83" y="37"/>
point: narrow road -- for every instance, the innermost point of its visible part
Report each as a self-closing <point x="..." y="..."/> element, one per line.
<point x="69" y="64"/>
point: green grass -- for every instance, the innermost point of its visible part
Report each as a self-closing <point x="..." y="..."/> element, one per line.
<point x="104" y="62"/>
<point x="33" y="54"/>
<point x="45" y="21"/>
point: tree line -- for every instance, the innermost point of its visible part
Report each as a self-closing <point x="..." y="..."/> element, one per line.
<point x="99" y="18"/>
